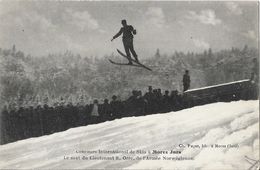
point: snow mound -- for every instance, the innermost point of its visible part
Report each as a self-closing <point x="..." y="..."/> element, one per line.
<point x="218" y="125"/>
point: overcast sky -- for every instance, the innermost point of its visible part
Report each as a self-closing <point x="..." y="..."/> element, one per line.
<point x="86" y="28"/>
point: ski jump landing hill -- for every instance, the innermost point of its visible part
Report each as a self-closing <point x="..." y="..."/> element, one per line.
<point x="219" y="124"/>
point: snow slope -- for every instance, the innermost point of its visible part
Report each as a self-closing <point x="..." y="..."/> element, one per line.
<point x="219" y="123"/>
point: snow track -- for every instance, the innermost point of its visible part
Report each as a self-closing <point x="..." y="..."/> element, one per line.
<point x="217" y="123"/>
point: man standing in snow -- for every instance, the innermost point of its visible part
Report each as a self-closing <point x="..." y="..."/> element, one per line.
<point x="116" y="107"/>
<point x="149" y="98"/>
<point x="166" y="106"/>
<point x="105" y="112"/>
<point x="95" y="112"/>
<point x="255" y="79"/>
<point x="186" y="81"/>
<point x="255" y="71"/>
<point x="128" y="37"/>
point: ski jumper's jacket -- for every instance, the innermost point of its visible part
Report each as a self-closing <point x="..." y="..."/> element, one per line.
<point x="127" y="32"/>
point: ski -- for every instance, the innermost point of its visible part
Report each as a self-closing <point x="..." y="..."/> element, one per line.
<point x="137" y="62"/>
<point x="124" y="64"/>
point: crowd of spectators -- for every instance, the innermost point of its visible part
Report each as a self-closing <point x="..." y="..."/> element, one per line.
<point x="34" y="121"/>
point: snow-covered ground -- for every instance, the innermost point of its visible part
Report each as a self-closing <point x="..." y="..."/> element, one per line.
<point x="225" y="124"/>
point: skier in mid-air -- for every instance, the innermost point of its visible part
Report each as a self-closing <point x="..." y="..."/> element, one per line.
<point x="128" y="32"/>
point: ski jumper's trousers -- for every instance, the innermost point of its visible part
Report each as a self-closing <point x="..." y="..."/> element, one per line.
<point x="129" y="47"/>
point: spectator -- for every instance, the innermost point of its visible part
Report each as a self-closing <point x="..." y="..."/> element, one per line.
<point x="186" y="81"/>
<point x="132" y="104"/>
<point x="95" y="112"/>
<point x="140" y="104"/>
<point x="255" y="71"/>
<point x="166" y="106"/>
<point x="105" y="111"/>
<point x="115" y="107"/>
<point x="254" y="79"/>
<point x="149" y="99"/>
<point x="175" y="100"/>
